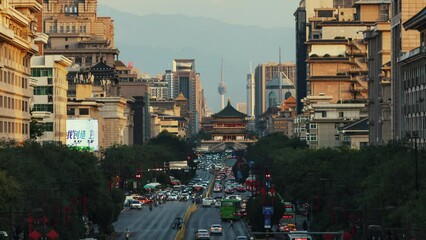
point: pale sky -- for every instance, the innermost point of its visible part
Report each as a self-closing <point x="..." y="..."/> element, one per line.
<point x="263" y="13"/>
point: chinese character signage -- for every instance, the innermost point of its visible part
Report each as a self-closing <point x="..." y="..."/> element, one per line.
<point x="83" y="134"/>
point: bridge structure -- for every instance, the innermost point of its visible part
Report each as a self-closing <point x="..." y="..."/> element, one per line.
<point x="220" y="146"/>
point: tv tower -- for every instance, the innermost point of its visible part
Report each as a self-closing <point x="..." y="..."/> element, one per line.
<point x="222" y="88"/>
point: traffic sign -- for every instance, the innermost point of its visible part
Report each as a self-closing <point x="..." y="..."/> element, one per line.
<point x="268" y="210"/>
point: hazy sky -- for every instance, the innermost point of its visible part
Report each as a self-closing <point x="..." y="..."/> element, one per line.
<point x="264" y="13"/>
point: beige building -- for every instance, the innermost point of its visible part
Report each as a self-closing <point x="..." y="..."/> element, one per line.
<point x="402" y="41"/>
<point x="76" y="32"/>
<point x="379" y="91"/>
<point x="18" y="33"/>
<point x="114" y="115"/>
<point x="49" y="103"/>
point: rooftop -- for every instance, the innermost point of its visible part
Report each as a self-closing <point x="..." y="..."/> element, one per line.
<point x="229" y="112"/>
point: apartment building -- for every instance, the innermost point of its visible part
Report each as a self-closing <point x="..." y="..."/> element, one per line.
<point x="76" y="32"/>
<point x="49" y="104"/>
<point x="402" y="41"/>
<point x="413" y="73"/>
<point x="18" y="34"/>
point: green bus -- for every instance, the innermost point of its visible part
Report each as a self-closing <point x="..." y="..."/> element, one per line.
<point x="229" y="209"/>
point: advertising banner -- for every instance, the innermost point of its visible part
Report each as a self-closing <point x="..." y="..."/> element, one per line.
<point x="82" y="134"/>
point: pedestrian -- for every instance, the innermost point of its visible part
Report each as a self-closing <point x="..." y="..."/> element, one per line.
<point x="231" y="225"/>
<point x="127" y="234"/>
<point x="305" y="225"/>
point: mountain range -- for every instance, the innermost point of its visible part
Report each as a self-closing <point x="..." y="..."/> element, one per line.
<point x="152" y="41"/>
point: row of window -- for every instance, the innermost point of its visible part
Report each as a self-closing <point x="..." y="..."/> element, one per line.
<point x="43" y="90"/>
<point x="67" y="29"/>
<point x="82" y="111"/>
<point x="13" y="103"/>
<point x="8" y="52"/>
<point x="43" y="108"/>
<point x="14" y="127"/>
<point x="42" y="72"/>
<point x="13" y="79"/>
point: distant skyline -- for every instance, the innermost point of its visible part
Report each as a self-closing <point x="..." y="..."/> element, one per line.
<point x="272" y="23"/>
<point x="267" y="14"/>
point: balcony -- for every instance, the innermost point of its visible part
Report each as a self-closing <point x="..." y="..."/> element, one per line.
<point x="412" y="53"/>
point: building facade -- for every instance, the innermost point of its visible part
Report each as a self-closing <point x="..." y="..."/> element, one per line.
<point x="18" y="33"/>
<point x="250" y="94"/>
<point x="49" y="105"/>
<point x="229" y="125"/>
<point x="402" y="40"/>
<point x="76" y="32"/>
<point x="267" y="72"/>
<point x="379" y="97"/>
<point x="413" y="73"/>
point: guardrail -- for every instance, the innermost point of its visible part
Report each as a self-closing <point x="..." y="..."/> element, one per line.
<point x="210" y="188"/>
<point x="180" y="235"/>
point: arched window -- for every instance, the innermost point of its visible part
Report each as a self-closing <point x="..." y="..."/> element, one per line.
<point x="272" y="99"/>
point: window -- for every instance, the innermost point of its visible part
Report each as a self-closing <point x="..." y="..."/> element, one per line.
<point x="336" y="137"/>
<point x="341" y="115"/>
<point x="313" y="137"/>
<point x="43" y="90"/>
<point x="1" y="126"/>
<point x="324" y="114"/>
<point x="71" y="111"/>
<point x="67" y="46"/>
<point x="1" y="101"/>
<point x="84" y="111"/>
<point x="41" y="72"/>
<point x="43" y="107"/>
<point x="48" y="127"/>
<point x="68" y="29"/>
<point x="61" y="29"/>
<point x="312" y="126"/>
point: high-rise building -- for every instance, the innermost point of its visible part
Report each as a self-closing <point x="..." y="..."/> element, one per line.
<point x="242" y="107"/>
<point x="267" y="72"/>
<point x="168" y="76"/>
<point x="50" y="95"/>
<point x="76" y="32"/>
<point x="187" y="81"/>
<point x="250" y="94"/>
<point x="402" y="41"/>
<point x="18" y="33"/>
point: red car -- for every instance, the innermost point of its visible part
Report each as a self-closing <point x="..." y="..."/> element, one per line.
<point x="240" y="188"/>
<point x="143" y="200"/>
<point x="242" y="212"/>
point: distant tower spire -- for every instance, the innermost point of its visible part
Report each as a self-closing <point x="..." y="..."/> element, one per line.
<point x="222" y="88"/>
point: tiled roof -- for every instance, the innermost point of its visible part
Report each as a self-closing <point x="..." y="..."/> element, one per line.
<point x="229" y="112"/>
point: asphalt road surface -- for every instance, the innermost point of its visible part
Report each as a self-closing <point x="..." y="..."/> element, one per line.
<point x="204" y="217"/>
<point x="152" y="225"/>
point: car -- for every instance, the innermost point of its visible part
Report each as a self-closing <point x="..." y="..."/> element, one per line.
<point x="202" y="234"/>
<point x="173" y="197"/>
<point x="143" y="200"/>
<point x="238" y="197"/>
<point x="217" y="188"/>
<point x="135" y="204"/>
<point x="184" y="197"/>
<point x="242" y="212"/>
<point x="287" y="227"/>
<point x="207" y="202"/>
<point x="241" y="238"/>
<point x="240" y="188"/>
<point x="218" y="203"/>
<point x="229" y="190"/>
<point x="216" y="229"/>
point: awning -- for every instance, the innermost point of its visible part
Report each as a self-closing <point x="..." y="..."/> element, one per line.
<point x="152" y="185"/>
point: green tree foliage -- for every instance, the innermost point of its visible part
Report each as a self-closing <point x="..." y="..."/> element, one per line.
<point x="36" y="129"/>
<point x="376" y="180"/>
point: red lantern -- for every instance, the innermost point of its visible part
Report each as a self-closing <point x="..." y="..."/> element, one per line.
<point x="34" y="235"/>
<point x="52" y="234"/>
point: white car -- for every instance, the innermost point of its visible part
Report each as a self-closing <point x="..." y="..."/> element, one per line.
<point x="216" y="229"/>
<point x="202" y="234"/>
<point x="135" y="204"/>
<point x="238" y="197"/>
<point x="207" y="202"/>
<point x="173" y="197"/>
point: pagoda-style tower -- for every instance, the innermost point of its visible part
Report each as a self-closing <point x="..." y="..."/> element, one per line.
<point x="229" y="125"/>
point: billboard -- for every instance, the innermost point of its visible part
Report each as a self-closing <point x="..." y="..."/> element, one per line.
<point x="82" y="134"/>
<point x="178" y="165"/>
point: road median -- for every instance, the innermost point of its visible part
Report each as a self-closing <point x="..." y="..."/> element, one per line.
<point x="180" y="235"/>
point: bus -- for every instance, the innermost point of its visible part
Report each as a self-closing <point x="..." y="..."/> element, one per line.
<point x="229" y="209"/>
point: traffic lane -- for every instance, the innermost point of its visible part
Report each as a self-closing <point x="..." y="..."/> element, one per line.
<point x="145" y="224"/>
<point x="204" y="217"/>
